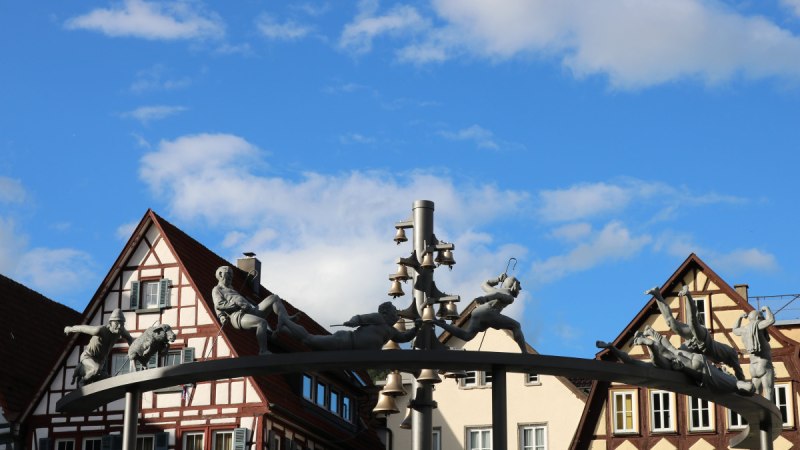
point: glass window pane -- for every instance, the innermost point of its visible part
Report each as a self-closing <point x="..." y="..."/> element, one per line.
<point x="334" y="402"/>
<point x="308" y="392"/>
<point x="321" y="394"/>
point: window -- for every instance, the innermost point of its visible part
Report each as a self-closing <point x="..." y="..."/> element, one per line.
<point x="700" y="415"/>
<point x="346" y="409"/>
<point x="223" y="440"/>
<point x="532" y="378"/>
<point x="476" y="378"/>
<point x="321" y="394"/>
<point x="65" y="444"/>
<point x="192" y="441"/>
<point x="479" y="439"/>
<point x="701" y="304"/>
<point x="661" y="416"/>
<point x="144" y="443"/>
<point x="120" y="364"/>
<point x="783" y="400"/>
<point x="334" y="402"/>
<point x="150" y="294"/>
<point x="308" y="387"/>
<point x="173" y="358"/>
<point x="92" y="444"/>
<point x="623" y="410"/>
<point x="533" y="437"/>
<point x="735" y="421"/>
<point x="436" y="438"/>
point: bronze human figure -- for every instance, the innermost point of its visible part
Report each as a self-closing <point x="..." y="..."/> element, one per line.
<point x="93" y="359"/>
<point x="487" y="314"/>
<point x="371" y="332"/>
<point x="696" y="336"/>
<point x="242" y="314"/>
<point x="756" y="343"/>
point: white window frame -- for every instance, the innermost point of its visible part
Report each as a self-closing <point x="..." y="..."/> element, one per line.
<point x="698" y="301"/>
<point x="436" y="439"/>
<point x="785" y="408"/>
<point x="117" y="360"/>
<point x="668" y="413"/>
<point x="143" y="438"/>
<point x="690" y="409"/>
<point x="633" y="412"/>
<point x="63" y="441"/>
<point x="481" y="431"/>
<point x="217" y="434"/>
<point x="533" y="379"/>
<point x="148" y="294"/>
<point x="188" y="434"/>
<point x="735" y="417"/>
<point x="86" y="441"/>
<point x="482" y="379"/>
<point x="532" y="429"/>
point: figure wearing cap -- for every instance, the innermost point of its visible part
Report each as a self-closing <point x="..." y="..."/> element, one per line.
<point x="94" y="356"/>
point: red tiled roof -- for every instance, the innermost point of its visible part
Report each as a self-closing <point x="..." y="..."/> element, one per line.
<point x="31" y="339"/>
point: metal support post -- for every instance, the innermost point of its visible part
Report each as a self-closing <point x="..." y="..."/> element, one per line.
<point x="421" y="417"/>
<point x="130" y="420"/>
<point x="499" y="413"/>
<point x="763" y="434"/>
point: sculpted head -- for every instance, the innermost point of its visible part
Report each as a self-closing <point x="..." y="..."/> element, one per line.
<point x="388" y="311"/>
<point x="225" y="275"/>
<point x="752" y="316"/>
<point x="513" y="285"/>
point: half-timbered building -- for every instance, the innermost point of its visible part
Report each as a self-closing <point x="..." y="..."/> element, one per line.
<point x="619" y="416"/>
<point x="164" y="276"/>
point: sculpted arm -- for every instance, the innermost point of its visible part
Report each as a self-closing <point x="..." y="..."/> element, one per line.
<point x="737" y="327"/>
<point x="488" y="285"/>
<point x="85" y="329"/>
<point x="405" y="336"/>
<point x="126" y="335"/>
<point x="769" y="318"/>
<point x="365" y="319"/>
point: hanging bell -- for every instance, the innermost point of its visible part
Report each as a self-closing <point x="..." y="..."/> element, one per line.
<point x="428" y="376"/>
<point x="385" y="406"/>
<point x="455" y="374"/>
<point x="396" y="290"/>
<point x="427" y="261"/>
<point x="394" y="385"/>
<point x="400" y="325"/>
<point x="428" y="314"/>
<point x="401" y="274"/>
<point x="447" y="258"/>
<point x="451" y="311"/>
<point x="400" y="236"/>
<point x="390" y="345"/>
<point x="406" y="423"/>
<point x="439" y="257"/>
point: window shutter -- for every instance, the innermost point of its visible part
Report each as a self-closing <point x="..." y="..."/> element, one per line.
<point x="153" y="361"/>
<point x="272" y="440"/>
<point x="187" y="355"/>
<point x="163" y="293"/>
<point x="111" y="442"/>
<point x="44" y="444"/>
<point x="239" y="439"/>
<point x="161" y="441"/>
<point x="134" y="295"/>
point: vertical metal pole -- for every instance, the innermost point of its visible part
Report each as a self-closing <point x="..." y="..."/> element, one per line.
<point x="130" y="420"/>
<point x="763" y="434"/>
<point x="499" y="408"/>
<point x="422" y="416"/>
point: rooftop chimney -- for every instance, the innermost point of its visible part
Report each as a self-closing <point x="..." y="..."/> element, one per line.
<point x="741" y="289"/>
<point x="252" y="266"/>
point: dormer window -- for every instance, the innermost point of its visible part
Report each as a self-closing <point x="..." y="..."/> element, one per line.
<point x="150" y="294"/>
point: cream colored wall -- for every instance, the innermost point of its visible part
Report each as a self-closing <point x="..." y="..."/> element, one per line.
<point x="551" y="403"/>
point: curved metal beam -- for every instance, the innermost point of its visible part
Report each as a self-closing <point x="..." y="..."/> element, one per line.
<point x="759" y="412"/>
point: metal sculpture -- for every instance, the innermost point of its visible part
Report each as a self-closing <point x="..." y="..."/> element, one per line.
<point x="488" y="312"/>
<point x="232" y="307"/>
<point x="756" y="342"/>
<point x="154" y="341"/>
<point x="696" y="337"/>
<point x="92" y="366"/>
<point x="371" y="332"/>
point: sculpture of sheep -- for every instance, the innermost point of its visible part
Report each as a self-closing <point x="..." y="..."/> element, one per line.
<point x="155" y="339"/>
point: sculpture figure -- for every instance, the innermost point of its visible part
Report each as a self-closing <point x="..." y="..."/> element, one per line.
<point x="93" y="359"/>
<point x="696" y="336"/>
<point x="154" y="340"/>
<point x="487" y="314"/>
<point x="756" y="342"/>
<point x="242" y="314"/>
<point x="696" y="365"/>
<point x="371" y="332"/>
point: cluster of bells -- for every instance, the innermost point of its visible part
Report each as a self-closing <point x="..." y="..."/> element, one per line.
<point x="387" y="404"/>
<point x="393" y="388"/>
<point x="447" y="310"/>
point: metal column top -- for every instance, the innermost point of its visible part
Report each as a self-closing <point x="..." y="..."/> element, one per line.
<point x="756" y="410"/>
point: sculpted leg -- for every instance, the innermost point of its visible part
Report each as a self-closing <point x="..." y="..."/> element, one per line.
<point x="260" y="325"/>
<point x="677" y="327"/>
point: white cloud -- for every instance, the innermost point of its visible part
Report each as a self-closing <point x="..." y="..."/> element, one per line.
<point x="12" y="244"/>
<point x="793" y="6"/>
<point x="150" y="20"/>
<point x="634" y="43"/>
<point x="743" y="260"/>
<point x="125" y="231"/>
<point x="145" y="114"/>
<point x="157" y="78"/>
<point x="482" y="137"/>
<point x="56" y="270"/>
<point x="323" y="237"/>
<point x="614" y="242"/>
<point x="356" y="138"/>
<point x="572" y="232"/>
<point x="286" y="31"/>
<point x="358" y="35"/>
<point x="11" y="190"/>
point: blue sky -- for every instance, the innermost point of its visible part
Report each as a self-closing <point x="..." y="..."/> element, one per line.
<point x="599" y="144"/>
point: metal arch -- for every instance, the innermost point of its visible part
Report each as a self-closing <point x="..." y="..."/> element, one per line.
<point x="759" y="413"/>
